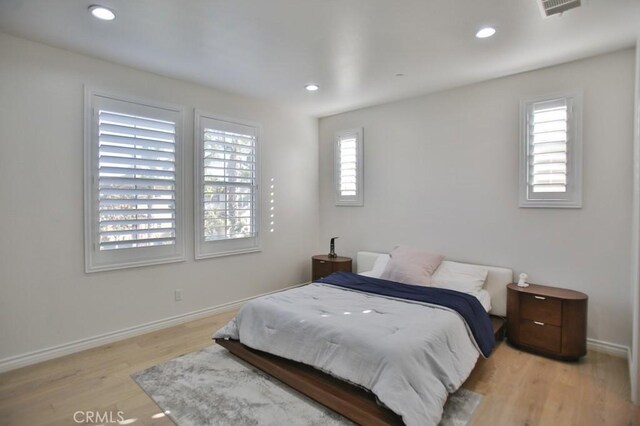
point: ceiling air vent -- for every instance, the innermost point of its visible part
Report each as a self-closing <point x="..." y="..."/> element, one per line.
<point x="554" y="7"/>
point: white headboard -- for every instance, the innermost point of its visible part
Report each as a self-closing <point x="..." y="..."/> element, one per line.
<point x="497" y="281"/>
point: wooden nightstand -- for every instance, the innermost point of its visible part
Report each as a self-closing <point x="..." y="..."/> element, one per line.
<point x="323" y="265"/>
<point x="547" y="320"/>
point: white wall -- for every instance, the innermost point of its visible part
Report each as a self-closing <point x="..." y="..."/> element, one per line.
<point x="441" y="172"/>
<point x="45" y="297"/>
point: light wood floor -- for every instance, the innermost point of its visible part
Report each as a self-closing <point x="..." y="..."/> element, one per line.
<point x="518" y="388"/>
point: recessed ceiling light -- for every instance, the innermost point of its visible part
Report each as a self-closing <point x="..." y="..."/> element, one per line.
<point x="312" y="87"/>
<point x="486" y="32"/>
<point x="102" y="12"/>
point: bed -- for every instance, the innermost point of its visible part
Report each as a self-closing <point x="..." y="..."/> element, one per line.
<point x="409" y="354"/>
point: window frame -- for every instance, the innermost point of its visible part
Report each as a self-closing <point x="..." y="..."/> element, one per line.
<point x="572" y="198"/>
<point x="358" y="199"/>
<point x="233" y="246"/>
<point x="95" y="260"/>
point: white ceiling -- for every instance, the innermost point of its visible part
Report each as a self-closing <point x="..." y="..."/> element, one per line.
<point x="353" y="49"/>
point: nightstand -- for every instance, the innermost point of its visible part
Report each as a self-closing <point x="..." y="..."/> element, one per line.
<point x="323" y="265"/>
<point x="547" y="320"/>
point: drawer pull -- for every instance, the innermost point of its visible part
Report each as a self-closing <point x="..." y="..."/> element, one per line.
<point x="540" y="297"/>
<point x="538" y="323"/>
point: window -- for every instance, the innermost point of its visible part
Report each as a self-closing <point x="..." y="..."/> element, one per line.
<point x="133" y="192"/>
<point x="348" y="168"/>
<point x="226" y="190"/>
<point x="551" y="152"/>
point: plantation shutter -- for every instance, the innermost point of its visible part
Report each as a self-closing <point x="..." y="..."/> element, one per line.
<point x="133" y="183"/>
<point x="348" y="164"/>
<point x="348" y="168"/>
<point x="136" y="181"/>
<point x="229" y="181"/>
<point x="548" y="146"/>
<point x="551" y="151"/>
<point x="227" y="187"/>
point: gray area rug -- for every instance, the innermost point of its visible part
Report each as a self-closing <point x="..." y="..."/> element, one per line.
<point x="213" y="387"/>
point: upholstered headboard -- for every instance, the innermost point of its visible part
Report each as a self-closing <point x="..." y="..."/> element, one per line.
<point x="496" y="283"/>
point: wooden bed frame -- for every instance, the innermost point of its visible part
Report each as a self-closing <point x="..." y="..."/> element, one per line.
<point x="353" y="402"/>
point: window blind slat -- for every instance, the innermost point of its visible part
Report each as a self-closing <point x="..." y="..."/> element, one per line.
<point x="111" y="245"/>
<point x="109" y="161"/>
<point x="139" y="234"/>
<point x="137" y="192"/>
<point x="136" y="222"/>
<point x="111" y="182"/>
<point x="134" y="121"/>
<point x="139" y="212"/>
<point x="161" y="175"/>
<point x="136" y="204"/>
<point x="116" y="151"/>
<point x="134" y="133"/>
<point x="549" y="188"/>
<point x="137" y="143"/>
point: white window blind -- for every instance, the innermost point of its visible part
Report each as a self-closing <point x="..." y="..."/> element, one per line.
<point x="551" y="163"/>
<point x="548" y="146"/>
<point x="133" y="209"/>
<point x="227" y="191"/>
<point x="137" y="181"/>
<point x="349" y="168"/>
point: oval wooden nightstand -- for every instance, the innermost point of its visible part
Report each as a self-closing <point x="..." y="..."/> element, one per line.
<point x="547" y="320"/>
<point x="323" y="265"/>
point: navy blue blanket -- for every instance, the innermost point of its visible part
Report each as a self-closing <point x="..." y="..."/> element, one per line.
<point x="466" y="305"/>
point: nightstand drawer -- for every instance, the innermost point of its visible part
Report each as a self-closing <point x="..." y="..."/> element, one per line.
<point x="540" y="335"/>
<point x="321" y="268"/>
<point x="541" y="308"/>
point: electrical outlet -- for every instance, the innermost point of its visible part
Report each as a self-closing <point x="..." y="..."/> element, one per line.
<point x="177" y="295"/>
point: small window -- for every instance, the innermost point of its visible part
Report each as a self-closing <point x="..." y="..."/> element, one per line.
<point x="551" y="152"/>
<point x="349" y="168"/>
<point x="226" y="190"/>
<point x="133" y="207"/>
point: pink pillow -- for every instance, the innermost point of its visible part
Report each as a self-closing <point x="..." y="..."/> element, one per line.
<point x="411" y="266"/>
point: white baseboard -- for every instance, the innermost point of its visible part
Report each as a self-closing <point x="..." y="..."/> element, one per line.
<point x="35" y="357"/>
<point x="608" y="348"/>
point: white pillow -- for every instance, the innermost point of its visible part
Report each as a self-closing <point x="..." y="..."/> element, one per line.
<point x="379" y="265"/>
<point x="413" y="266"/>
<point x="459" y="276"/>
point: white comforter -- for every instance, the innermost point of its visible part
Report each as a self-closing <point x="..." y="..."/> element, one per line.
<point x="410" y="355"/>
